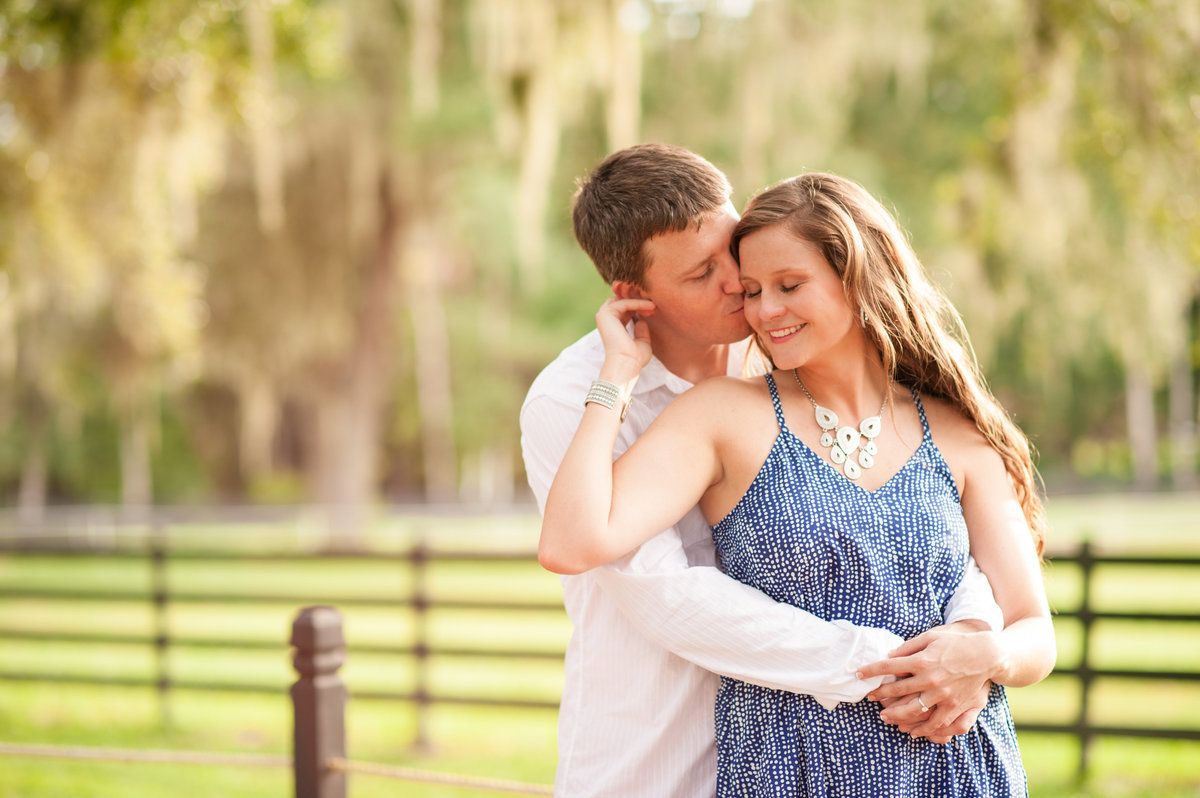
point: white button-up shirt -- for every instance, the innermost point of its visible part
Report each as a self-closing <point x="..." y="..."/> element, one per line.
<point x="653" y="630"/>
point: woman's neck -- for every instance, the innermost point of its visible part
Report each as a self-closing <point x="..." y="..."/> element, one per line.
<point x="853" y="385"/>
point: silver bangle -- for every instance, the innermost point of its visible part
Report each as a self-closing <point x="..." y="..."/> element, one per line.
<point x="607" y="394"/>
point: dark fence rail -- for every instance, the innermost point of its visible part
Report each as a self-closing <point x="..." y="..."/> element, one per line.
<point x="319" y="765"/>
<point x="420" y="558"/>
<point x="160" y="596"/>
<point x="1083" y="728"/>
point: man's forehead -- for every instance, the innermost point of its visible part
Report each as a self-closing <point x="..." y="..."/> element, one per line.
<point x="692" y="246"/>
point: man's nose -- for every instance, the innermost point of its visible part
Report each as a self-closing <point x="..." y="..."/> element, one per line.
<point x="731" y="278"/>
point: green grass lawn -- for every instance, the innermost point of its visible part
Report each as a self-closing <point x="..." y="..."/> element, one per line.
<point x="514" y="744"/>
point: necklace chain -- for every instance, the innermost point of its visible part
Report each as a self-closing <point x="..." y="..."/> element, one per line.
<point x="843" y="442"/>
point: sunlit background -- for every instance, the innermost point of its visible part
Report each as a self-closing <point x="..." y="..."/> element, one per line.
<point x="295" y="251"/>
<point x="311" y="253"/>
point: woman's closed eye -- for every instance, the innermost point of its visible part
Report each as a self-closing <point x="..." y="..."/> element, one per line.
<point x="751" y="293"/>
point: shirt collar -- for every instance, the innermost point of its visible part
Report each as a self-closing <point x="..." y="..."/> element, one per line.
<point x="655" y="375"/>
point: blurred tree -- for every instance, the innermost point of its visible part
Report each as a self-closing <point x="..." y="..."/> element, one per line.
<point x="99" y="280"/>
<point x="331" y="238"/>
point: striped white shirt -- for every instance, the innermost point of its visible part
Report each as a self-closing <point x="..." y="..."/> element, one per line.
<point x="653" y="630"/>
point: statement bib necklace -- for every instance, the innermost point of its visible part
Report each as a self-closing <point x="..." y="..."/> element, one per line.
<point x="842" y="442"/>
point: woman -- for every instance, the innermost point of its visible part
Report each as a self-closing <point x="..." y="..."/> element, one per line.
<point x="869" y="521"/>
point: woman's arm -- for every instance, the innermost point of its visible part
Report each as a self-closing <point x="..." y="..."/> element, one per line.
<point x="947" y="665"/>
<point x="596" y="510"/>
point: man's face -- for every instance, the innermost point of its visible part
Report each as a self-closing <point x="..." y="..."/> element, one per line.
<point x="694" y="283"/>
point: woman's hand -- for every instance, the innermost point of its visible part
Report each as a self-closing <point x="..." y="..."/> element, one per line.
<point x="910" y="709"/>
<point x="942" y="680"/>
<point x="624" y="356"/>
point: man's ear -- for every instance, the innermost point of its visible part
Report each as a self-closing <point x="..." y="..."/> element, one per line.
<point x="623" y="289"/>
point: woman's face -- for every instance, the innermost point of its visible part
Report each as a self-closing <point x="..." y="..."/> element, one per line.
<point x="795" y="301"/>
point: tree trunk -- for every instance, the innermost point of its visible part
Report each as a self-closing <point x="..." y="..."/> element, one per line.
<point x="1183" y="422"/>
<point x="256" y="431"/>
<point x="353" y="417"/>
<point x="539" y="149"/>
<point x="137" y="492"/>
<point x="33" y="408"/>
<point x="758" y="98"/>
<point x="431" y="344"/>
<point x="31" y="496"/>
<point x="424" y="54"/>
<point x="624" y="108"/>
<point x="1140" y="426"/>
<point x="260" y="114"/>
<point x="496" y="475"/>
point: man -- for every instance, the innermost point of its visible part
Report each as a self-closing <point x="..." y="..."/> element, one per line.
<point x="652" y="630"/>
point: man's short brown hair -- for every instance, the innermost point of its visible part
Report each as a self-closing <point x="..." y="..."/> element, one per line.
<point x="638" y="193"/>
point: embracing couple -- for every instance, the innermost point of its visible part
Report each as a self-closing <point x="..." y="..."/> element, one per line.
<point x="778" y="588"/>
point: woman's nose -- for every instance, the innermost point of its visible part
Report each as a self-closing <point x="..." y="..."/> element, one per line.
<point x="769" y="306"/>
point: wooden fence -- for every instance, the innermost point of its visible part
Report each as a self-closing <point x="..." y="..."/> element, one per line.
<point x="1086" y="673"/>
<point x="420" y="558"/>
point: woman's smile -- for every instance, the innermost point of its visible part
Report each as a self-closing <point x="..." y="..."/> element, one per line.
<point x="784" y="333"/>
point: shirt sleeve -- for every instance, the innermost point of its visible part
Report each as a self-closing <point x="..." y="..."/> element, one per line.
<point x="722" y="625"/>
<point x="973" y="599"/>
<point x="703" y="615"/>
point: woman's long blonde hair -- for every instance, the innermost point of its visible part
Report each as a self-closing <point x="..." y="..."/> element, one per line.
<point x="919" y="334"/>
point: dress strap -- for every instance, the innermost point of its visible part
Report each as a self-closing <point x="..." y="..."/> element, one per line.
<point x="920" y="410"/>
<point x="778" y="405"/>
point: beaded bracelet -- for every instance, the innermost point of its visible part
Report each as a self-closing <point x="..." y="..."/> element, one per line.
<point x="607" y="394"/>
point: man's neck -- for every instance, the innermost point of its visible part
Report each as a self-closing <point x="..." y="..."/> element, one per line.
<point x="692" y="363"/>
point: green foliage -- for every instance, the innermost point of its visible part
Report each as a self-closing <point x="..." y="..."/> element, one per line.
<point x="1043" y="157"/>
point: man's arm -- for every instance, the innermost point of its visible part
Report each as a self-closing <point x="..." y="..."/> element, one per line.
<point x="973" y="600"/>
<point x="722" y="625"/>
<point x="703" y="615"/>
<point x="712" y="620"/>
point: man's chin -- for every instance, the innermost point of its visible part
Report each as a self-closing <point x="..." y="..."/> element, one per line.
<point x="730" y="339"/>
<point x="739" y="333"/>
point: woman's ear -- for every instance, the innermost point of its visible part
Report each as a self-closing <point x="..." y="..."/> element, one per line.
<point x="623" y="289"/>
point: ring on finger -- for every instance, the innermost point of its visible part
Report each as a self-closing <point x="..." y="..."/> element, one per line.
<point x="922" y="703"/>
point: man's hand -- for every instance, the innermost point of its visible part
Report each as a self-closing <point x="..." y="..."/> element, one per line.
<point x="942" y="680"/>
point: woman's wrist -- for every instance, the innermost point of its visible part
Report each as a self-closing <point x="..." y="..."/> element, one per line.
<point x="996" y="651"/>
<point x="988" y="653"/>
<point x="609" y="395"/>
<point x="623" y="371"/>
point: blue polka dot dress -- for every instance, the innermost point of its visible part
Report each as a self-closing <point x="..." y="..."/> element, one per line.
<point x="805" y="534"/>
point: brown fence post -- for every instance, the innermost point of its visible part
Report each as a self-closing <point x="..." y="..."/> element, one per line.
<point x="1087" y="619"/>
<point x="421" y="648"/>
<point x="160" y="594"/>
<point x="318" y="702"/>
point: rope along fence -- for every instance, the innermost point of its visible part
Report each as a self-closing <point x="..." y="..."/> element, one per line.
<point x="252" y="760"/>
<point x="319" y="762"/>
<point x="145" y="755"/>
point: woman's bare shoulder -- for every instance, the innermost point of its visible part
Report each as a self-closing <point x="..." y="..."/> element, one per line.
<point x="720" y="402"/>
<point x="960" y="440"/>
<point x="725" y="389"/>
<point x="947" y="420"/>
<point x="706" y="405"/>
